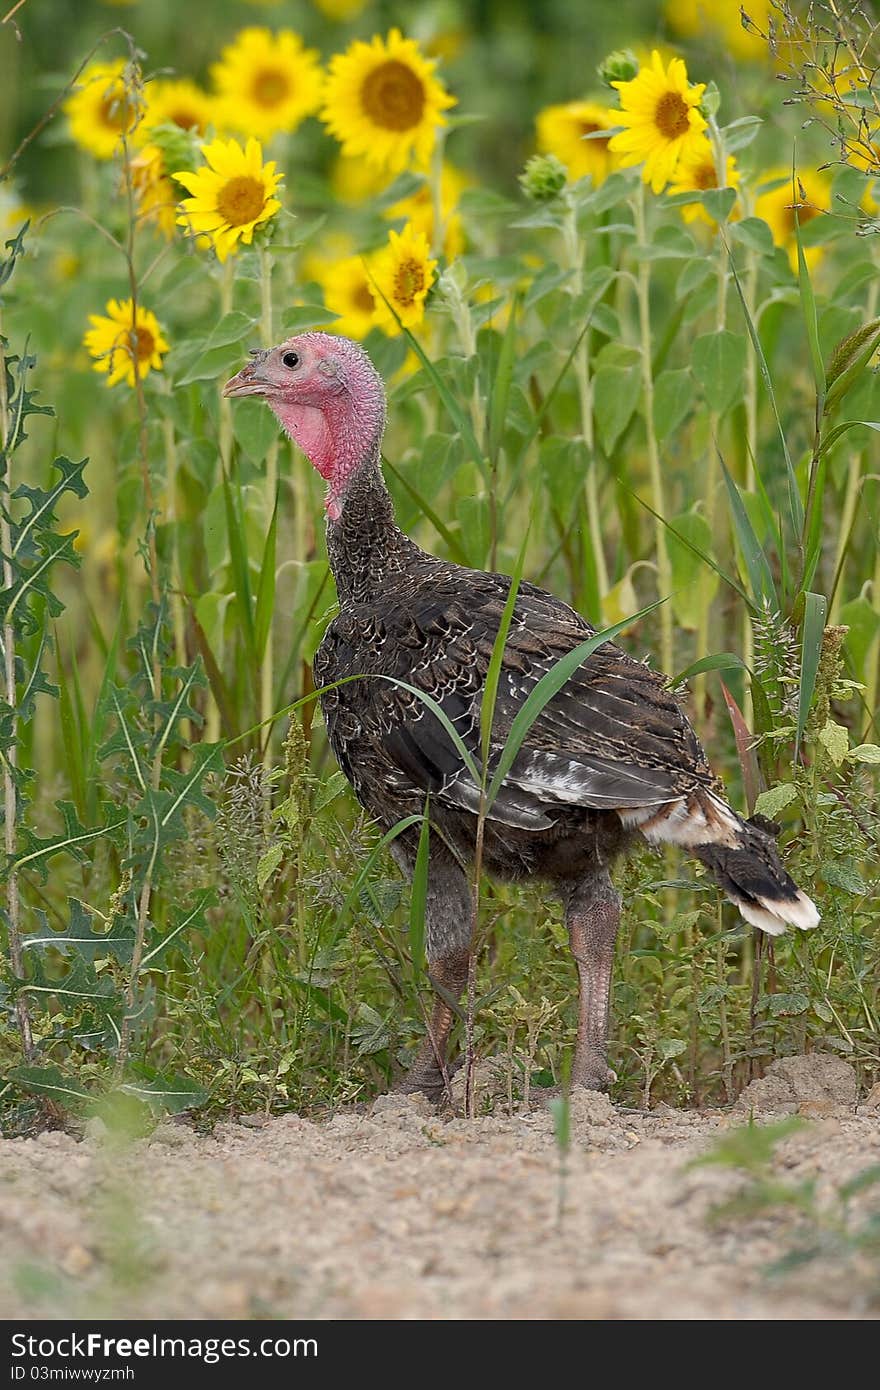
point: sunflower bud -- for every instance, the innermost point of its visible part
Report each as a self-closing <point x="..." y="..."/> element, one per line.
<point x="711" y="100"/>
<point x="620" y="66"/>
<point x="180" y="148"/>
<point x="543" y="178"/>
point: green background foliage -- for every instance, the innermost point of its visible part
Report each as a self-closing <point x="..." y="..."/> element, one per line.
<point x="669" y="409"/>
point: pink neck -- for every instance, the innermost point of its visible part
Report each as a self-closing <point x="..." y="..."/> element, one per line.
<point x="337" y="439"/>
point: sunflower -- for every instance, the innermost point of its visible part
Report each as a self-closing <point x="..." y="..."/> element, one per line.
<point x="267" y="82"/>
<point x="418" y="210"/>
<point x="179" y="103"/>
<point x="696" y="171"/>
<point x="402" y="272"/>
<point x="126" y="338"/>
<point x="102" y="109"/>
<point x="660" y="111"/>
<point x="231" y="196"/>
<point x="382" y="100"/>
<point x="777" y="208"/>
<point x="561" y="130"/>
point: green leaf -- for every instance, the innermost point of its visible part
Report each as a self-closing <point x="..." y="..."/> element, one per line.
<point x="771" y="802"/>
<point x="786" y="1005"/>
<point x="80" y="938"/>
<point x="812" y="631"/>
<point x="757" y="565"/>
<point x="615" y="396"/>
<point x="865" y="753"/>
<point x="808" y="305"/>
<point x="168" y="1096"/>
<point x="753" y="233"/>
<point x="268" y="863"/>
<point x="834" y="738"/>
<point x="718" y="361"/>
<point x="191" y="917"/>
<point x="49" y="1082"/>
<point x="214" y="350"/>
<point x="673" y="401"/>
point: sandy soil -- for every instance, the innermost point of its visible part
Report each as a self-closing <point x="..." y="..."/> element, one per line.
<point x="401" y="1213"/>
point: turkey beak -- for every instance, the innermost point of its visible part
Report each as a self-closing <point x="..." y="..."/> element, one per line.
<point x="250" y="381"/>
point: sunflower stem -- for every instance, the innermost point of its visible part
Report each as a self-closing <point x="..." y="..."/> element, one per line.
<point x="711" y="472"/>
<point x="574" y="256"/>
<point x="267" y="700"/>
<point x="664" y="569"/>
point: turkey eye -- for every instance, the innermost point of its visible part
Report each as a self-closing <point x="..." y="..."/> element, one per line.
<point x="291" y="360"/>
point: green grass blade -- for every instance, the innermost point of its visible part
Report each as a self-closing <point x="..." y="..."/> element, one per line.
<point x="686" y="541"/>
<point x="418" y="905"/>
<point x="238" y="557"/>
<point x="720" y="661"/>
<point x="490" y="692"/>
<point x="808" y="304"/>
<point x="455" y="550"/>
<point x="815" y="608"/>
<point x="549" y="685"/>
<point x="457" y="414"/>
<point x="758" y="569"/>
<point x="266" y="586"/>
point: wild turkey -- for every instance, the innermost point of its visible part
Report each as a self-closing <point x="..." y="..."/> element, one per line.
<point x="610" y="760"/>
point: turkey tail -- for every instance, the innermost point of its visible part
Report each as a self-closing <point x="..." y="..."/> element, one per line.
<point x="752" y="876"/>
<point x="740" y="855"/>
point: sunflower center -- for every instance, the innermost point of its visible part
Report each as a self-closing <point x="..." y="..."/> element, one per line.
<point x="409" y="280"/>
<point x="270" y="87"/>
<point x="671" y="116"/>
<point x="116" y="111"/>
<point x="185" y="118"/>
<point x="393" y="96"/>
<point x="704" y="176"/>
<point x="363" y="300"/>
<point x="590" y="128"/>
<point x="805" y="213"/>
<point x="141" y="343"/>
<point x="241" y="200"/>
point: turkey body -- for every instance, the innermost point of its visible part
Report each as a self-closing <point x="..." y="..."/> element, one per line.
<point x="610" y="759"/>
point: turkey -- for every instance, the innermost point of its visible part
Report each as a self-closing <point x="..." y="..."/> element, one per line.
<point x="610" y="761"/>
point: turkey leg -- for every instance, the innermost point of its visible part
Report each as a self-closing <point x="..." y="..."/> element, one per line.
<point x="592" y="918"/>
<point x="428" y="1072"/>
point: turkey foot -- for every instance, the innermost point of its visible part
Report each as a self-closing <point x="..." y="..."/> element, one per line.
<point x="593" y="917"/>
<point x="429" y="1073"/>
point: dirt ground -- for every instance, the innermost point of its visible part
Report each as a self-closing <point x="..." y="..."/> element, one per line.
<point x="403" y="1213"/>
